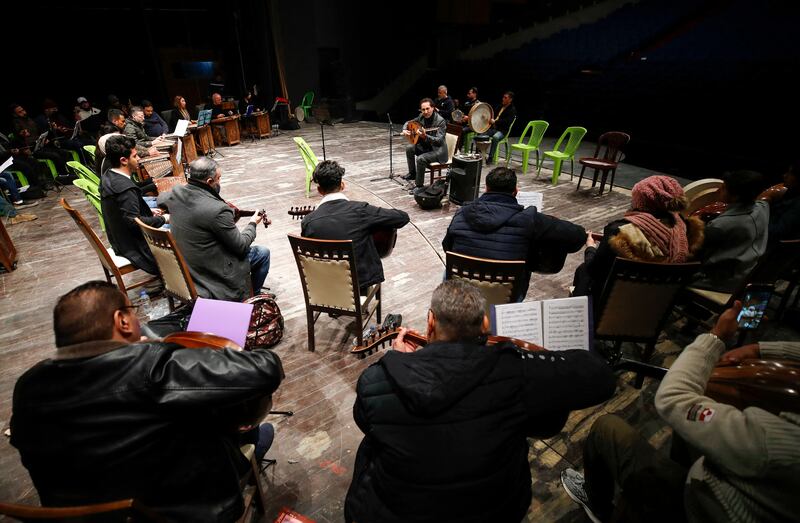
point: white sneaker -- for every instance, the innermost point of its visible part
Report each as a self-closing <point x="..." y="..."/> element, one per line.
<point x="573" y="481"/>
<point x="21" y="204"/>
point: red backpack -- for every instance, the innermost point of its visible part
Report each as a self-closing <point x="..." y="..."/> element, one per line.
<point x="266" y="322"/>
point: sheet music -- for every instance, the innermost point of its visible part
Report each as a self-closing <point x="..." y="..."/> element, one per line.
<point x="522" y="321"/>
<point x="180" y="150"/>
<point x="531" y="199"/>
<point x="566" y="323"/>
<point x="7" y="163"/>
<point x="180" y="129"/>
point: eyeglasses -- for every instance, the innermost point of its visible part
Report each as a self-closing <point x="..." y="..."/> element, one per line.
<point x="134" y="307"/>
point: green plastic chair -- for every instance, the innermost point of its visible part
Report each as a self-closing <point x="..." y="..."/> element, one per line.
<point x="468" y="140"/>
<point x="92" y="193"/>
<point x="21" y="178"/>
<point x="75" y="156"/>
<point x="308" y="99"/>
<point x="81" y="171"/>
<point x="574" y="135"/>
<point x="50" y="165"/>
<point x="537" y="129"/>
<point x="91" y="151"/>
<point x="504" y="141"/>
<point x="309" y="160"/>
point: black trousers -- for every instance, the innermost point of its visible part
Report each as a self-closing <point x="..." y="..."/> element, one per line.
<point x="617" y="458"/>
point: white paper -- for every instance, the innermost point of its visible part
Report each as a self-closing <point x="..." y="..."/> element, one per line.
<point x="180" y="150"/>
<point x="180" y="129"/>
<point x="566" y="323"/>
<point x="531" y="199"/>
<point x="522" y="321"/>
<point x="7" y="163"/>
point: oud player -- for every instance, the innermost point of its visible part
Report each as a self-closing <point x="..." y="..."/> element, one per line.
<point x="430" y="147"/>
<point x="339" y="218"/>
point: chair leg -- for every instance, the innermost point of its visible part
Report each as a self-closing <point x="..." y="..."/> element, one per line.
<point x="556" y="170"/>
<point x="611" y="184"/>
<point x="310" y="319"/>
<point x="525" y="157"/>
<point x="571" y="169"/>
<point x="649" y="349"/>
<point x="580" y="178"/>
<point x="378" y="308"/>
<point x="171" y="302"/>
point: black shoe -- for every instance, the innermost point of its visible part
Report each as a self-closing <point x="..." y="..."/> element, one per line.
<point x="409" y="176"/>
<point x="392" y="321"/>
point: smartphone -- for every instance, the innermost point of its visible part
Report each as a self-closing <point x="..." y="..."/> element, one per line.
<point x="755" y="301"/>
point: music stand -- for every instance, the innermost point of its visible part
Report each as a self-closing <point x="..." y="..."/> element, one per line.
<point x="323" y="116"/>
<point x="391" y="153"/>
<point x="204" y="118"/>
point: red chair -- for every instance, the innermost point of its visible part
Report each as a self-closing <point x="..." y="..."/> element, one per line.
<point x="614" y="142"/>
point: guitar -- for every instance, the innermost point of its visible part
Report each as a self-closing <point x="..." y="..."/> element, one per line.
<point x="241" y="213"/>
<point x="384" y="238"/>
<point x="381" y="336"/>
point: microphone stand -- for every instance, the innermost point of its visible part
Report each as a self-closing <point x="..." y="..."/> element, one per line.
<point x="322" y="130"/>
<point x="391" y="152"/>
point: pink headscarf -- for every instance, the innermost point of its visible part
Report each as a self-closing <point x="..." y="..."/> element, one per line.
<point x="660" y="194"/>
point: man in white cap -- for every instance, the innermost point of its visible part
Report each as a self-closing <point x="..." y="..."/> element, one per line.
<point x="84" y="109"/>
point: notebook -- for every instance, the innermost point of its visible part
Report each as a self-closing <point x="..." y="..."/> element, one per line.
<point x="559" y="324"/>
<point x="228" y="319"/>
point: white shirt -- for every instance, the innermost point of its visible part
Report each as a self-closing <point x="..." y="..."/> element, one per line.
<point x="334" y="196"/>
<point x="128" y="176"/>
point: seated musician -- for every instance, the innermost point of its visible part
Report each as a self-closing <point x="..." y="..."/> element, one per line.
<point x="216" y="107"/>
<point x="501" y="123"/>
<point x="737" y="238"/>
<point x="61" y="130"/>
<point x="134" y="128"/>
<point x="444" y="104"/>
<point x="27" y="132"/>
<point x="224" y="263"/>
<point x="338" y="218"/>
<point x="784" y="207"/>
<point x="749" y="461"/>
<point x="431" y="147"/>
<point x="122" y="202"/>
<point x="446" y="425"/>
<point x="112" y="416"/>
<point x="180" y="112"/>
<point x="496" y="226"/>
<point x="154" y="125"/>
<point x="652" y="231"/>
<point x="472" y="99"/>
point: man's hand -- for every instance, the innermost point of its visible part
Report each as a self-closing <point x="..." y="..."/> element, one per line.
<point x="727" y="325"/>
<point x="406" y="132"/>
<point x="590" y="242"/>
<point x="745" y="352"/>
<point x="256" y="218"/>
<point x="400" y="344"/>
<point x="157" y="212"/>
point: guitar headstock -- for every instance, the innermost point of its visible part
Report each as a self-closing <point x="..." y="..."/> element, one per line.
<point x="375" y="340"/>
<point x="299" y="211"/>
<point x="265" y="220"/>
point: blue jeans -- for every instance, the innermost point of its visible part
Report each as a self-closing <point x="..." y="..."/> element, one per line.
<point x="6" y="209"/>
<point x="261" y="436"/>
<point x="259" y="266"/>
<point x="7" y="181"/>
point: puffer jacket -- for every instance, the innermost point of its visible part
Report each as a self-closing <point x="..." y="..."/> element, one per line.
<point x="103" y="421"/>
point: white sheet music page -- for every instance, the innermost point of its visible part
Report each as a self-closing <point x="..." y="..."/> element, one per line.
<point x="7" y="163"/>
<point x="566" y="323"/>
<point x="522" y="321"/>
<point x="180" y="128"/>
<point x="531" y="199"/>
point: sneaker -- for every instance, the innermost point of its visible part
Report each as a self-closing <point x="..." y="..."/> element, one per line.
<point x="20" y="218"/>
<point x="572" y="480"/>
<point x="21" y="204"/>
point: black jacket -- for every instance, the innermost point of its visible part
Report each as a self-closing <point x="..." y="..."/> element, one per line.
<point x="104" y="421"/>
<point x="445" y="107"/>
<point x="445" y="429"/>
<point x="503" y="122"/>
<point x="346" y="220"/>
<point x="495" y="226"/>
<point x="121" y="202"/>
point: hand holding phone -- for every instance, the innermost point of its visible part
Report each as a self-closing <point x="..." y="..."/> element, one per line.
<point x="754" y="304"/>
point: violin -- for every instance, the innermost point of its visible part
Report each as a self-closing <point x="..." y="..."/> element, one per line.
<point x="239" y="213"/>
<point x="377" y="339"/>
<point x="384" y="238"/>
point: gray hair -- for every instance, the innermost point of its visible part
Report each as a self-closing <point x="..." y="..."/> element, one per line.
<point x="136" y="109"/>
<point x="459" y="308"/>
<point x="443" y="87"/>
<point x="202" y="169"/>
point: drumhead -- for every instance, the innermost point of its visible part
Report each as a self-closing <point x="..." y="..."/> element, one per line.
<point x="457" y="115"/>
<point x="299" y="113"/>
<point x="480" y="116"/>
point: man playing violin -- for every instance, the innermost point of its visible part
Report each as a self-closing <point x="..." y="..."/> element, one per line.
<point x="223" y="261"/>
<point x="111" y="416"/>
<point x="446" y="425"/>
<point x="749" y="461"/>
<point x="431" y="145"/>
<point x="338" y="218"/>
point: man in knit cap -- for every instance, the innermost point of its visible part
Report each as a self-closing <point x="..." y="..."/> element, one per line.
<point x="749" y="464"/>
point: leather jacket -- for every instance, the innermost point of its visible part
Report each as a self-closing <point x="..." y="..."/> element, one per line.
<point x="103" y="421"/>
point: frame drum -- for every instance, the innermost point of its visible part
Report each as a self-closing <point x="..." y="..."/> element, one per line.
<point x="457" y="115"/>
<point x="299" y="113"/>
<point x="480" y="116"/>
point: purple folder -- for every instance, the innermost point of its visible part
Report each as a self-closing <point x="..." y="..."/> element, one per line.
<point x="228" y="319"/>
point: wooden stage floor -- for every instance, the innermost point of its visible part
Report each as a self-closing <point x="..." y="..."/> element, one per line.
<point x="315" y="449"/>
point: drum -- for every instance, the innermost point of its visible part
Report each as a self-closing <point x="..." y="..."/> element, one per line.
<point x="480" y="117"/>
<point x="299" y="113"/>
<point x="457" y="115"/>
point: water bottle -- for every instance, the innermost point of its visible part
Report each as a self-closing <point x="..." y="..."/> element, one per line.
<point x="145" y="306"/>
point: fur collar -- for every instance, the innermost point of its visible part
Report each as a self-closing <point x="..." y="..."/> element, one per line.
<point x="631" y="244"/>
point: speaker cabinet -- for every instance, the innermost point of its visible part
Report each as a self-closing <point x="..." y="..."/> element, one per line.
<point x="465" y="179"/>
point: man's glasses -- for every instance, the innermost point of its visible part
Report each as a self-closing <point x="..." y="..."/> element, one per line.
<point x="134" y="307"/>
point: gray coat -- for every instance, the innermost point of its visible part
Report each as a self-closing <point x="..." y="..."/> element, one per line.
<point x="209" y="240"/>
<point x="135" y="130"/>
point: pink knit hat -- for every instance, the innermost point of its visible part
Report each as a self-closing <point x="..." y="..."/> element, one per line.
<point x="658" y="193"/>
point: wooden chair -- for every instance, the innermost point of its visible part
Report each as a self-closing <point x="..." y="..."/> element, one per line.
<point x="125" y="510"/>
<point x="437" y="167"/>
<point x="500" y="281"/>
<point x="8" y="252"/>
<point x="330" y="283"/>
<point x="175" y="273"/>
<point x="636" y="301"/>
<point x="113" y="265"/>
<point x="255" y="497"/>
<point x="700" y="193"/>
<point x="614" y="143"/>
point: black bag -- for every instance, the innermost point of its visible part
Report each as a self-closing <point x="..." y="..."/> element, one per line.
<point x="430" y="196"/>
<point x="266" y="322"/>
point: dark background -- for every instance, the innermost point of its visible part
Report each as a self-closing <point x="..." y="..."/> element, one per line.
<point x="702" y="86"/>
